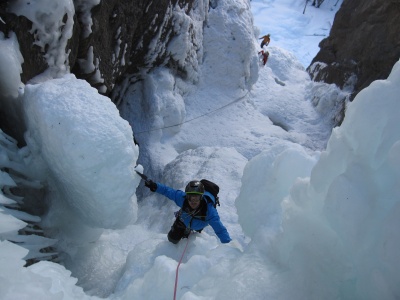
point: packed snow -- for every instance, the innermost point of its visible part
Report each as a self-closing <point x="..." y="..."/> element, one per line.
<point x="313" y="213"/>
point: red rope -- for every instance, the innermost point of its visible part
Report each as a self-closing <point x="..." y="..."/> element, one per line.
<point x="177" y="268"/>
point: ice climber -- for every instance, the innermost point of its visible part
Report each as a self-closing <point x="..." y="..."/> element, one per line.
<point x="263" y="56"/>
<point x="265" y="40"/>
<point x="197" y="210"/>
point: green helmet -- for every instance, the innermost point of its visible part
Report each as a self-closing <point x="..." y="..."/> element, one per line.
<point x="195" y="187"/>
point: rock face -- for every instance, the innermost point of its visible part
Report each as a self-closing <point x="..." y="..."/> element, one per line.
<point x="363" y="45"/>
<point x="115" y="43"/>
<point x="109" y="41"/>
<point x="121" y="34"/>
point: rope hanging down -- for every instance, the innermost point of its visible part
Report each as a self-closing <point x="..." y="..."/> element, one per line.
<point x="187" y="121"/>
<point x="177" y="268"/>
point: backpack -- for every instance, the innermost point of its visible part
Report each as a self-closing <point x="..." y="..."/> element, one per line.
<point x="213" y="189"/>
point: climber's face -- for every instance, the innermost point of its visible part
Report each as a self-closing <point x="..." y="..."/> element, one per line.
<point x="194" y="200"/>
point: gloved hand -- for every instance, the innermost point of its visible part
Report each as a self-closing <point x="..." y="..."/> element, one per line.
<point x="151" y="185"/>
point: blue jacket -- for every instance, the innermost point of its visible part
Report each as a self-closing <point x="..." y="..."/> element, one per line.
<point x="197" y="223"/>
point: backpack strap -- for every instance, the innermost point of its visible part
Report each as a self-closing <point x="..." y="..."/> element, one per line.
<point x="211" y="199"/>
<point x="216" y="202"/>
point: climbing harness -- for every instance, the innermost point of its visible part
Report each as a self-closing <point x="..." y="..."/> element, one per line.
<point x="177" y="268"/>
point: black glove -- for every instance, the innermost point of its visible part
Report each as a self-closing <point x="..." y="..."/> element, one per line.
<point x="151" y="185"/>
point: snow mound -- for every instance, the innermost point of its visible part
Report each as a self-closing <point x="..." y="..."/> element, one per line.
<point x="61" y="121"/>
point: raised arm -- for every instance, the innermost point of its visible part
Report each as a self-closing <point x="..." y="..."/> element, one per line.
<point x="216" y="224"/>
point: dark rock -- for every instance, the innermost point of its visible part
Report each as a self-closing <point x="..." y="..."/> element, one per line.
<point x="129" y="25"/>
<point x="364" y="41"/>
<point x="34" y="62"/>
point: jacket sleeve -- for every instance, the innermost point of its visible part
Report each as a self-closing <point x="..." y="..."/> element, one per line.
<point x="177" y="196"/>
<point x="217" y="225"/>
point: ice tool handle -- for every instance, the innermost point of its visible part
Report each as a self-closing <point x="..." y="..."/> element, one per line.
<point x="144" y="177"/>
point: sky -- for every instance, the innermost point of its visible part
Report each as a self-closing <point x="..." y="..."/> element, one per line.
<point x="313" y="212"/>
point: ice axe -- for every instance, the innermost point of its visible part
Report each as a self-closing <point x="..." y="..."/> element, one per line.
<point x="144" y="177"/>
<point x="148" y="182"/>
